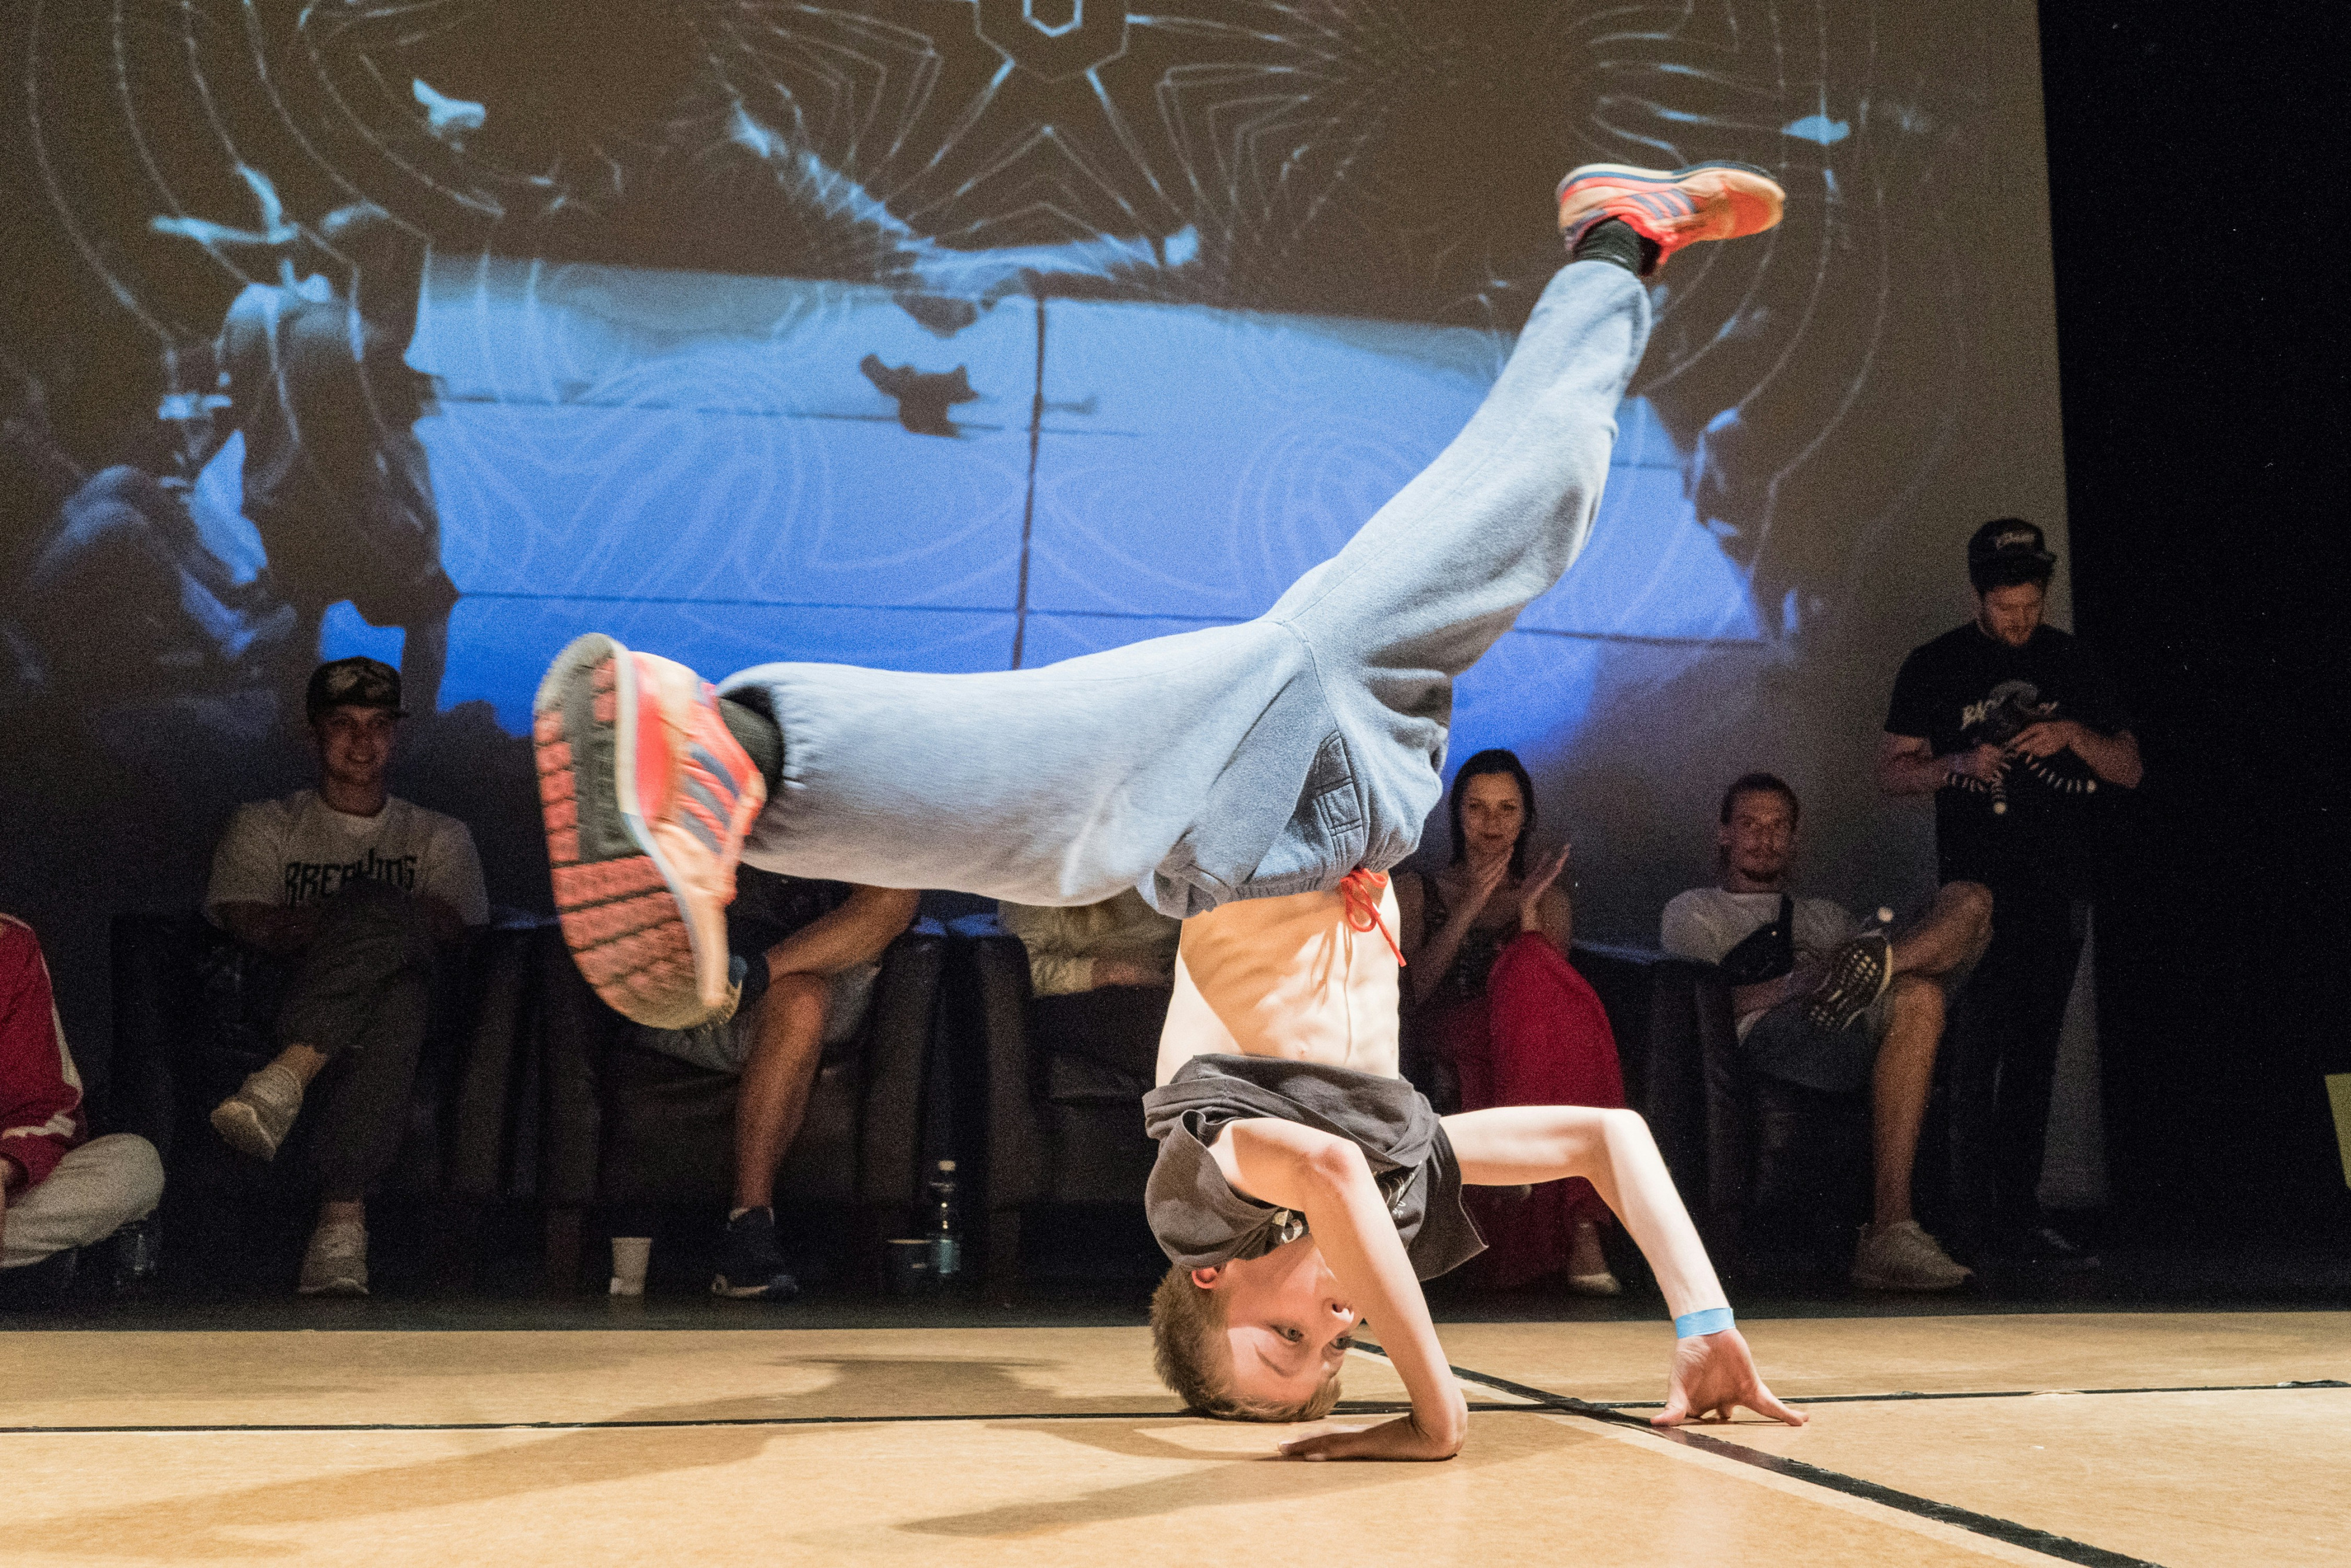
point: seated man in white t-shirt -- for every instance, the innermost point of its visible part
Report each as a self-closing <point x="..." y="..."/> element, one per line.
<point x="357" y="892"/>
<point x="1822" y="1003"/>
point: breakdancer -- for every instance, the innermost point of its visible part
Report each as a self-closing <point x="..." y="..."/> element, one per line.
<point x="1220" y="772"/>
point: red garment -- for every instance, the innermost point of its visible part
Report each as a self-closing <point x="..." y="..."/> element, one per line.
<point x="1538" y="1036"/>
<point x="40" y="1093"/>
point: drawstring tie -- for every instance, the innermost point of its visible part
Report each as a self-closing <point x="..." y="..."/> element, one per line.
<point x="1359" y="890"/>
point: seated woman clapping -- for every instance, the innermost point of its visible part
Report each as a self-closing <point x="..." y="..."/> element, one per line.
<point x="1490" y="995"/>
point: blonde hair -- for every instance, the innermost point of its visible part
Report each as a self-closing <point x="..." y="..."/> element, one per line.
<point x="1189" y="1352"/>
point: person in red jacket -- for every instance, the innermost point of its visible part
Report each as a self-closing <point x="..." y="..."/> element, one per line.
<point x="59" y="1188"/>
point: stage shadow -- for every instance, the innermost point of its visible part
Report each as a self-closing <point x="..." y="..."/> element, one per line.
<point x="1222" y="1477"/>
<point x="686" y="1436"/>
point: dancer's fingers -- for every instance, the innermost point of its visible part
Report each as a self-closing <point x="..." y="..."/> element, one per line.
<point x="1763" y="1402"/>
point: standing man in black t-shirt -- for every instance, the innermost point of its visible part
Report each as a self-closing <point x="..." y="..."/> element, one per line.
<point x="2015" y="730"/>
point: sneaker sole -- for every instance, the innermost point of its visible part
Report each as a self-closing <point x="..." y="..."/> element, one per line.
<point x="333" y="1288"/>
<point x="1909" y="1287"/>
<point x="622" y="917"/>
<point x="239" y="1125"/>
<point x="719" y="1287"/>
<point x="1838" y="1010"/>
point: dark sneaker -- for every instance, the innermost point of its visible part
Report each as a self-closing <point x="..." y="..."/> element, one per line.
<point x="1671" y="208"/>
<point x="750" y="1268"/>
<point x="1859" y="972"/>
<point x="2044" y="1246"/>
<point x="647" y="797"/>
<point x="256" y="1119"/>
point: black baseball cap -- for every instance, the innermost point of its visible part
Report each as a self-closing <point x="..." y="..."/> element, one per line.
<point x="355" y="682"/>
<point x="2005" y="552"/>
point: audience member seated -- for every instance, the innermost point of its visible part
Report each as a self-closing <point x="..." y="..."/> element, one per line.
<point x="351" y="897"/>
<point x="1487" y="985"/>
<point x="1100" y="976"/>
<point x="1822" y="1003"/>
<point x="811" y="951"/>
<point x="60" y="1189"/>
<point x="1122" y="941"/>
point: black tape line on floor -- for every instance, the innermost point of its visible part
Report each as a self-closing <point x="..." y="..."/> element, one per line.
<point x="2064" y="1548"/>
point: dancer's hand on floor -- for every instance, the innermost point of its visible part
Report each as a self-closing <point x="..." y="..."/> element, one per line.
<point x="1712" y="1374"/>
<point x="1402" y="1439"/>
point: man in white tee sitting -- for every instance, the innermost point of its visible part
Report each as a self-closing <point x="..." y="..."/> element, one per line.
<point x="357" y="892"/>
<point x="1822" y="1003"/>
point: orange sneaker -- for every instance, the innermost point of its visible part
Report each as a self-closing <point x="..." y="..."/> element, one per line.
<point x="1704" y="201"/>
<point x="647" y="797"/>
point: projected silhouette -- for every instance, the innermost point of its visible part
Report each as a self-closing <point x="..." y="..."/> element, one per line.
<point x="923" y="397"/>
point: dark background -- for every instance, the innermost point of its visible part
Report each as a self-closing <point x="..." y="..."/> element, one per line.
<point x="2192" y="154"/>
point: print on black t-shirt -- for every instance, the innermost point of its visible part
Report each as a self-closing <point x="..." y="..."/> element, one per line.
<point x="1966" y="689"/>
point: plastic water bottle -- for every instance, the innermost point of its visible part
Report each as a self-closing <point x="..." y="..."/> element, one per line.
<point x="947" y="1225"/>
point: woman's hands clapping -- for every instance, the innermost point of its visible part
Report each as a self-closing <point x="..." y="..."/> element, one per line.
<point x="1538" y="880"/>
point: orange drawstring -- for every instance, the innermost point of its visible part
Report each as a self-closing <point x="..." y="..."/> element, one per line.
<point x="1361" y="889"/>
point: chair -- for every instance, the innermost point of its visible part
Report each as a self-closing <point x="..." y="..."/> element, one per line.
<point x="192" y="1016"/>
<point x="1061" y="1112"/>
<point x="1759" y="1162"/>
<point x="638" y="1132"/>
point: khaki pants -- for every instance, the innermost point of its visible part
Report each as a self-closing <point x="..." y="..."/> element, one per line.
<point x="94" y="1191"/>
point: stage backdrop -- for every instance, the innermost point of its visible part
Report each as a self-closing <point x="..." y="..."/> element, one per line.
<point x="965" y="334"/>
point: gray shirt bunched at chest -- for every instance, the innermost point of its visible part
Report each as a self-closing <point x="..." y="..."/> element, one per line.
<point x="1200" y="1221"/>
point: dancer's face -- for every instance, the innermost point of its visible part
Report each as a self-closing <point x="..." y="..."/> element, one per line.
<point x="1759" y="842"/>
<point x="1493" y="816"/>
<point x="1286" y="1322"/>
<point x="2011" y="614"/>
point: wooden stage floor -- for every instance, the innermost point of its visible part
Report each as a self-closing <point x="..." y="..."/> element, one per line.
<point x="2177" y="1438"/>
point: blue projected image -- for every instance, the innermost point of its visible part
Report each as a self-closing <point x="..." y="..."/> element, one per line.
<point x="958" y="337"/>
<point x="696" y="462"/>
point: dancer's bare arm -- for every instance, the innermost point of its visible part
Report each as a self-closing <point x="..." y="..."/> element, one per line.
<point x="1327" y="1179"/>
<point x="1510" y="1145"/>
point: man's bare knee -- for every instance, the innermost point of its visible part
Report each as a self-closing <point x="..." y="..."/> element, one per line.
<point x="1967" y="900"/>
<point x="795" y="1006"/>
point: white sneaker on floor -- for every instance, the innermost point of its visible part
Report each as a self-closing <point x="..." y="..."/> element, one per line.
<point x="1903" y="1257"/>
<point x="336" y="1263"/>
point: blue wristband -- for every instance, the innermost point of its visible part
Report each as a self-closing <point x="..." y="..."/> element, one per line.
<point x="1713" y="1319"/>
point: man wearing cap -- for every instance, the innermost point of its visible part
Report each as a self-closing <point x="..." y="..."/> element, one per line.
<point x="352" y="891"/>
<point x="2015" y="729"/>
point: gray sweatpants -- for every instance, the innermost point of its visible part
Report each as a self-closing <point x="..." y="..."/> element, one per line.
<point x="1245" y="761"/>
<point x="361" y="995"/>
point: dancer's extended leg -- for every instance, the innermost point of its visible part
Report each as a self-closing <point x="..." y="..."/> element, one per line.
<point x="1242" y="762"/>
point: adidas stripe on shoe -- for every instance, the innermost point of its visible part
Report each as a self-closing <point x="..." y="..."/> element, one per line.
<point x="1671" y="208"/>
